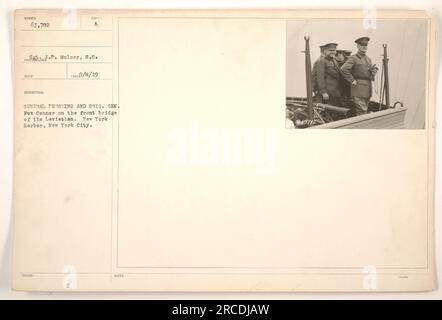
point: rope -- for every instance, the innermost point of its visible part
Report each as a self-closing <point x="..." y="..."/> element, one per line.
<point x="412" y="64"/>
<point x="417" y="109"/>
<point x="400" y="59"/>
<point x="381" y="96"/>
<point x="376" y="81"/>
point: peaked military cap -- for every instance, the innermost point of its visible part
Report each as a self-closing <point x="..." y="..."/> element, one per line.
<point x="362" y="41"/>
<point x="346" y="53"/>
<point x="330" y="45"/>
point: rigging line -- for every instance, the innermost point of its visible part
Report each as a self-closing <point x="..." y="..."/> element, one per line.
<point x="419" y="106"/>
<point x="400" y="60"/>
<point x="296" y="32"/>
<point x="381" y="96"/>
<point x="412" y="64"/>
<point x="376" y="82"/>
<point x="300" y="32"/>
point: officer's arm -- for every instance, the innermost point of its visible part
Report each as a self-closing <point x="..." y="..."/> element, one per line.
<point x="346" y="70"/>
<point x="320" y="76"/>
<point x="315" y="65"/>
<point x="370" y="64"/>
<point x="314" y="83"/>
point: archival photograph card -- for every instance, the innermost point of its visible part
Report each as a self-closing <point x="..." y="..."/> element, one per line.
<point x="161" y="150"/>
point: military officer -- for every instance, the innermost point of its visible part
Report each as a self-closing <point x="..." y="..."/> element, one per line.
<point x="341" y="58"/>
<point x="327" y="76"/>
<point x="359" y="72"/>
<point x="315" y="68"/>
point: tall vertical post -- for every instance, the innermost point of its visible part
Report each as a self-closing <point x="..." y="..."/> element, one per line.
<point x="386" y="82"/>
<point x="308" y="76"/>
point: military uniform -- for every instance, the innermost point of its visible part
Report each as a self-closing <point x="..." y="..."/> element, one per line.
<point x="315" y="69"/>
<point x="344" y="84"/>
<point x="327" y="77"/>
<point x="358" y="67"/>
<point x="314" y="74"/>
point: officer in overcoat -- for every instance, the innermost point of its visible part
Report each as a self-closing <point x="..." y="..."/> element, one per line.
<point x="327" y="76"/>
<point x="315" y="70"/>
<point x="359" y="72"/>
<point x="341" y="57"/>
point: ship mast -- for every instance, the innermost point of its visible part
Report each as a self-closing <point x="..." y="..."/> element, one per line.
<point x="308" y="75"/>
<point x="386" y="82"/>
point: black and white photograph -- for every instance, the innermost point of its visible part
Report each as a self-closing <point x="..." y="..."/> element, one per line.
<point x="147" y="155"/>
<point x="356" y="74"/>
